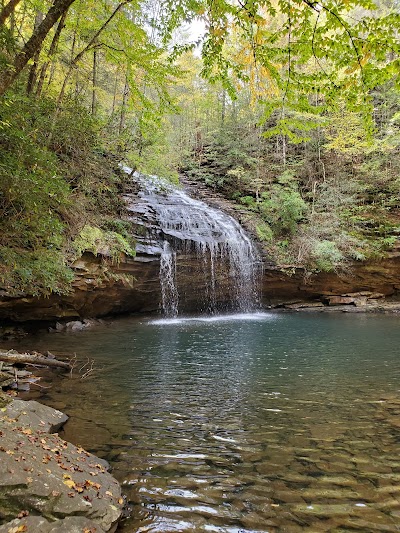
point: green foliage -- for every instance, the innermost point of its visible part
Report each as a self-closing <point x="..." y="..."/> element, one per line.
<point x="32" y="193"/>
<point x="264" y="233"/>
<point x="295" y="49"/>
<point x="106" y="243"/>
<point x="227" y="159"/>
<point x="283" y="207"/>
<point x="47" y="188"/>
<point x="326" y="255"/>
<point x="34" y="271"/>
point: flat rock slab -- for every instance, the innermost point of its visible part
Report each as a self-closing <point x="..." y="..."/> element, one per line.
<point x="47" y="477"/>
<point x="36" y="416"/>
<point x="38" y="524"/>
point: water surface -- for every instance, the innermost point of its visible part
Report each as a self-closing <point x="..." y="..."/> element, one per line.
<point x="265" y="422"/>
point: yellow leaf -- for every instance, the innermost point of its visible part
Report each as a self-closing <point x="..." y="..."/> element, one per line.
<point x="70" y="484"/>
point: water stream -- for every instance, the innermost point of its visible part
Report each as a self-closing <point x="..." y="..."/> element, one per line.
<point x="243" y="423"/>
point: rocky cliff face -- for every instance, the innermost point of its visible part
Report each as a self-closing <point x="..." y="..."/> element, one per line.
<point x="377" y="279"/>
<point x="102" y="288"/>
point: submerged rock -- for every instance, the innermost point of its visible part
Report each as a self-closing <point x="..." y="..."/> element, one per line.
<point x="44" y="477"/>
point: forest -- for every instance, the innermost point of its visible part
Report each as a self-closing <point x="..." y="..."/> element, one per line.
<point x="288" y="108"/>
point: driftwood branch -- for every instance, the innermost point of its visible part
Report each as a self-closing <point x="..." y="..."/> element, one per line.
<point x="26" y="358"/>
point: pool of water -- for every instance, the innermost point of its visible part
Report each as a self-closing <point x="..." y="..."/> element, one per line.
<point x="246" y="423"/>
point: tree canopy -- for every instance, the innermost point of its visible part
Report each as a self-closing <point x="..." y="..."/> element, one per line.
<point x="288" y="107"/>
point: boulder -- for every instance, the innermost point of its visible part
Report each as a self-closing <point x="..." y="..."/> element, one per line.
<point x="44" y="477"/>
<point x="340" y="300"/>
<point x="35" y="415"/>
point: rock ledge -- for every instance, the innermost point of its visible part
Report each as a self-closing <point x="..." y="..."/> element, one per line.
<point x="47" y="484"/>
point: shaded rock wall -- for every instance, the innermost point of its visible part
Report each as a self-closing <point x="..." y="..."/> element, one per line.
<point x="97" y="292"/>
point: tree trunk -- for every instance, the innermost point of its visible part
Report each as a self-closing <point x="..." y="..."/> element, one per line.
<point x="124" y="104"/>
<point x="223" y="107"/>
<point x="7" y="10"/>
<point x="33" y="44"/>
<point x="32" y="359"/>
<point x="52" y="51"/>
<point x="114" y="95"/>
<point x="94" y="82"/>
<point x="33" y="70"/>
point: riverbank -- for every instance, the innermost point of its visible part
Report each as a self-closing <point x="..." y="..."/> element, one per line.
<point x="48" y="484"/>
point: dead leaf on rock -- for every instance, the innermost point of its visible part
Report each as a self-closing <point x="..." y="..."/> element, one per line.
<point x="70" y="484"/>
<point x="18" y="529"/>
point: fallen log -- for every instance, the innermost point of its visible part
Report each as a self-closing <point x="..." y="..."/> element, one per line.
<point x="26" y="358"/>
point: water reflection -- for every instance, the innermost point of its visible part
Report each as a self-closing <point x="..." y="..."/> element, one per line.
<point x="275" y="423"/>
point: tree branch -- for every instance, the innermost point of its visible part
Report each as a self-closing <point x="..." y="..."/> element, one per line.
<point x="8" y="10"/>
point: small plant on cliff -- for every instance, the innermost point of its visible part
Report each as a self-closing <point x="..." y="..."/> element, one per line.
<point x="100" y="242"/>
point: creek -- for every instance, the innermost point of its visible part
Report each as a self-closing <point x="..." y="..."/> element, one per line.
<point x="242" y="423"/>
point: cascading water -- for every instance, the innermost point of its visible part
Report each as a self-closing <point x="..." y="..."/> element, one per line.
<point x="227" y="264"/>
<point x="169" y="292"/>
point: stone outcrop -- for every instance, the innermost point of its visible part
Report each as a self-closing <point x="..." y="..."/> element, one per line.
<point x="102" y="288"/>
<point x="363" y="283"/>
<point x="47" y="484"/>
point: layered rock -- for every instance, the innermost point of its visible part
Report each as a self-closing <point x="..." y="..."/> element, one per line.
<point x="361" y="284"/>
<point x="47" y="484"/>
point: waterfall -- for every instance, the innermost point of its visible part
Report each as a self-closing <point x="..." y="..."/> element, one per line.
<point x="169" y="291"/>
<point x="227" y="267"/>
